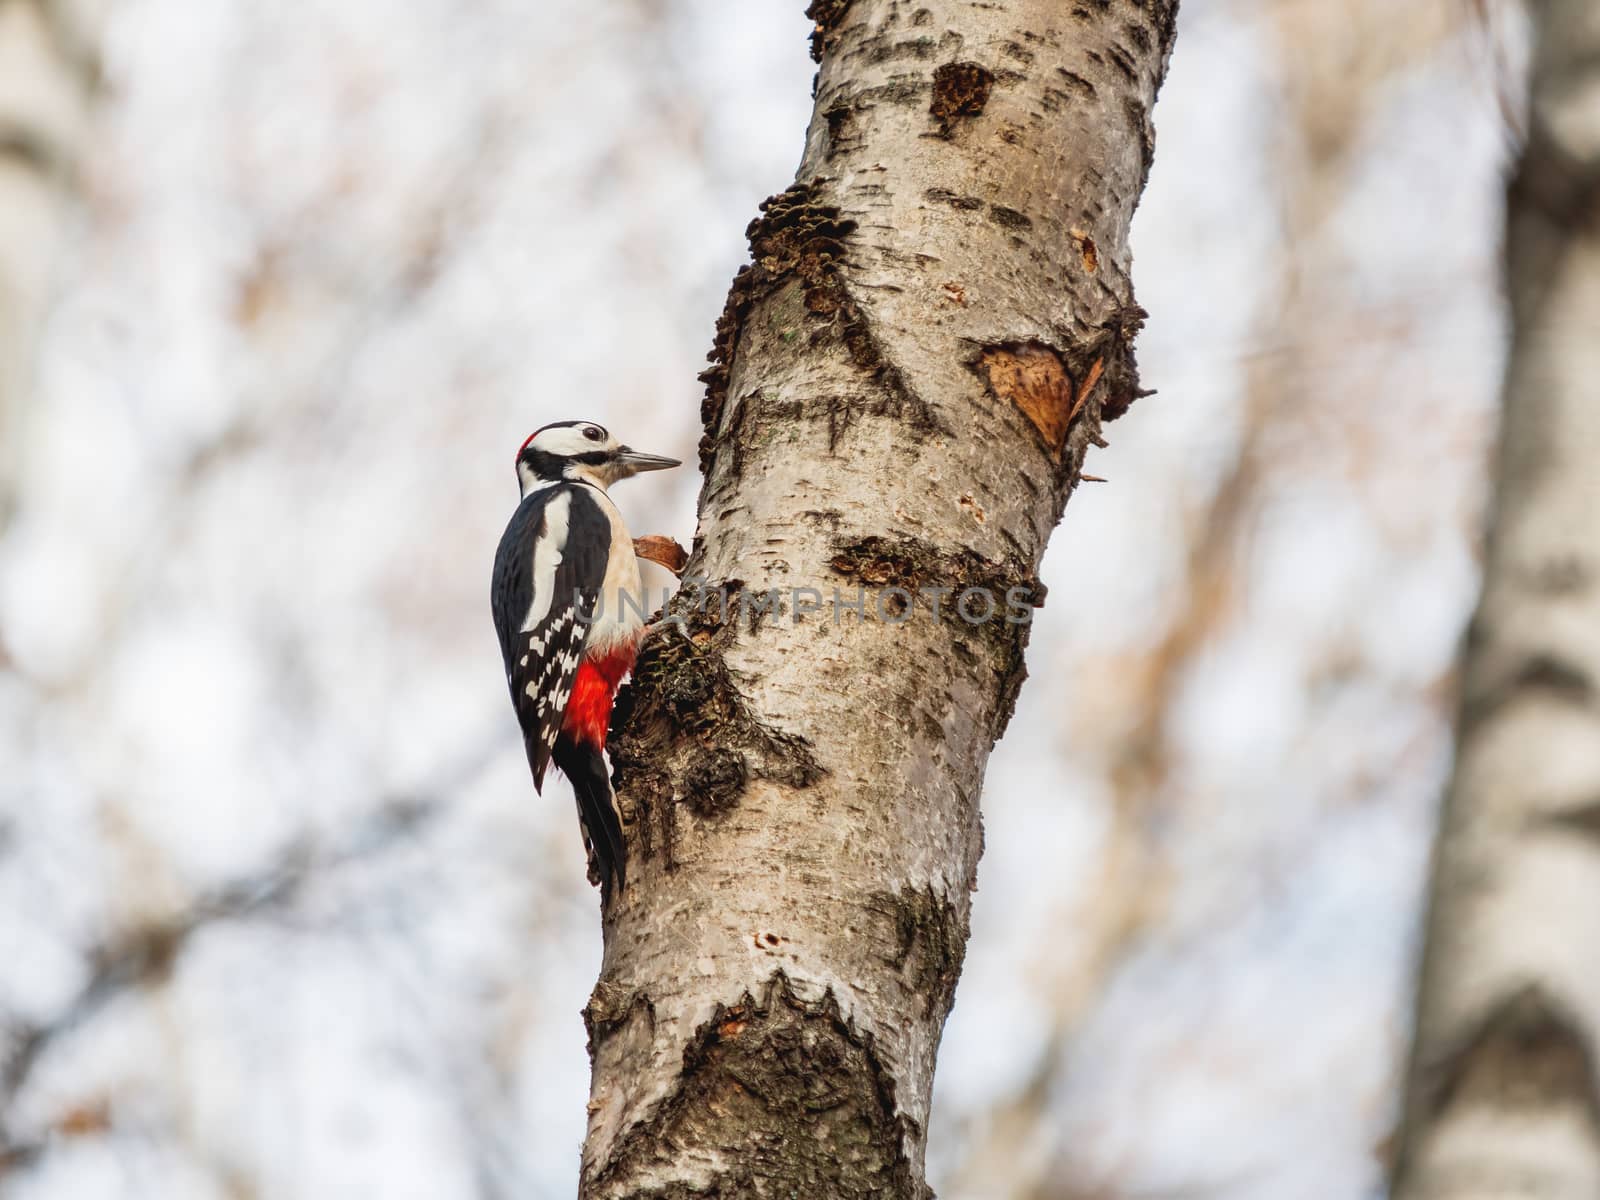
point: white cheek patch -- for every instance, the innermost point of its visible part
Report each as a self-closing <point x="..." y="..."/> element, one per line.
<point x="623" y="599"/>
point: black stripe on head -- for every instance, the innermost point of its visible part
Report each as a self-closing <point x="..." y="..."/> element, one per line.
<point x="544" y="466"/>
<point x="551" y="466"/>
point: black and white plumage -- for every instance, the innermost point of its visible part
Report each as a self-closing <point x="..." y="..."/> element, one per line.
<point x="549" y="570"/>
<point x="568" y="609"/>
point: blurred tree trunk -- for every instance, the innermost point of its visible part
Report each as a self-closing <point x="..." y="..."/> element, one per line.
<point x="46" y="76"/>
<point x="905" y="380"/>
<point x="1502" y="1097"/>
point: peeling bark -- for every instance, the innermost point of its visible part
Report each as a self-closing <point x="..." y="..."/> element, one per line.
<point x="936" y="320"/>
<point x="46" y="77"/>
<point x="1503" y="1098"/>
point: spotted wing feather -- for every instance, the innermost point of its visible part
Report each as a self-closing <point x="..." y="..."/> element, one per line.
<point x="548" y="577"/>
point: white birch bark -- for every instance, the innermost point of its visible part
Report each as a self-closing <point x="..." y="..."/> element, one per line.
<point x="1502" y="1098"/>
<point x="46" y="76"/>
<point x="936" y="322"/>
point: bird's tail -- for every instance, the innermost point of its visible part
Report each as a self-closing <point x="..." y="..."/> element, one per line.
<point x="585" y="767"/>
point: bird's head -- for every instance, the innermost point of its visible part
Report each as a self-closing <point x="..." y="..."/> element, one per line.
<point x="580" y="451"/>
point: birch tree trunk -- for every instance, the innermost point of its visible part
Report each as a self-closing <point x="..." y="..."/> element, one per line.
<point x="1502" y="1098"/>
<point x="904" y="382"/>
<point x="46" y="75"/>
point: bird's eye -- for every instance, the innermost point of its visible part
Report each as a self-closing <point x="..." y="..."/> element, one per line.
<point x="593" y="434"/>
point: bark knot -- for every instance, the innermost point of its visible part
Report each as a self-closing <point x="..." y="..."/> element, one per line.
<point x="683" y="732"/>
<point x="610" y="1005"/>
<point x="790" y="1095"/>
<point x="1528" y="1053"/>
<point x="931" y="944"/>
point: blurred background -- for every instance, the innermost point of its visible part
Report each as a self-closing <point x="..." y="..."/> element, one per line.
<point x="282" y="288"/>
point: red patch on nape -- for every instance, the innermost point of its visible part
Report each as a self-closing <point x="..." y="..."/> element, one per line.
<point x="588" y="716"/>
<point x="524" y="445"/>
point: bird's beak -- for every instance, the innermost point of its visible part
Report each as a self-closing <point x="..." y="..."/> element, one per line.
<point x="645" y="462"/>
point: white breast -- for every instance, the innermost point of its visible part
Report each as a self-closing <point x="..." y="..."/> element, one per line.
<point x="624" y="605"/>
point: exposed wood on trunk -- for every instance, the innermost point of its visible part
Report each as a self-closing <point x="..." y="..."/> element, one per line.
<point x="936" y="321"/>
<point x="1503" y="1097"/>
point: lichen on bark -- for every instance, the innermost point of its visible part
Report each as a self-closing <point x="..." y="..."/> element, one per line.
<point x="797" y="237"/>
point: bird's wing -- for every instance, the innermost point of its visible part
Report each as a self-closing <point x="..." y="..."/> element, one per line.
<point x="548" y="578"/>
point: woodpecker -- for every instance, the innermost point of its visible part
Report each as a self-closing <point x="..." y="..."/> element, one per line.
<point x="568" y="607"/>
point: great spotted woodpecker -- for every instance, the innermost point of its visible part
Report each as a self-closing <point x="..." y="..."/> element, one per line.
<point x="569" y="610"/>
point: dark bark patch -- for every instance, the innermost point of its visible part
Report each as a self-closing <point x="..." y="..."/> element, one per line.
<point x="953" y="199"/>
<point x="912" y="564"/>
<point x="797" y="236"/>
<point x="788" y="1097"/>
<point x="1542" y="675"/>
<point x="997" y="636"/>
<point x="960" y="91"/>
<point x="825" y="17"/>
<point x="931" y="944"/>
<point x="1077" y="83"/>
<point x="893" y="398"/>
<point x="1124" y="63"/>
<point x="610" y="1006"/>
<point x="682" y="731"/>
<point x="27" y="149"/>
<point x="1115" y="341"/>
<point x="841" y="119"/>
<point x="883" y="49"/>
<point x="1556" y="677"/>
<point x="1139" y="121"/>
<point x="901" y="90"/>
<point x="1582" y="819"/>
<point x="1566" y="575"/>
<point x="1164" y="19"/>
<point x="1012" y="672"/>
<point x="1009" y="218"/>
<point x="1527" y="1055"/>
<point x="714" y="782"/>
